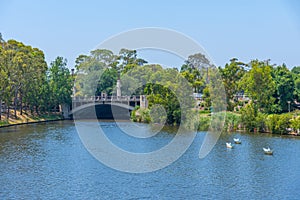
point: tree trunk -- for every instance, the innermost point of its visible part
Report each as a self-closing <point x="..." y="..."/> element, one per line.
<point x="7" y="116"/>
<point x="21" y="106"/>
<point x="26" y="108"/>
<point x="15" y="103"/>
<point x="37" y="110"/>
<point x="0" y="108"/>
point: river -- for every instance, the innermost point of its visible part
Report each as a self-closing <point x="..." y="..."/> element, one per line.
<point x="49" y="161"/>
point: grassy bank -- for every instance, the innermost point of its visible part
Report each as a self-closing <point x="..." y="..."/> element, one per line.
<point x="27" y="118"/>
<point x="232" y="120"/>
<point x="285" y="123"/>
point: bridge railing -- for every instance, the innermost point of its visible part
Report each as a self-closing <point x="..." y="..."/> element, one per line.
<point x="107" y="98"/>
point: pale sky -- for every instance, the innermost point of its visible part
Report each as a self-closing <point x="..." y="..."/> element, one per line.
<point x="268" y="29"/>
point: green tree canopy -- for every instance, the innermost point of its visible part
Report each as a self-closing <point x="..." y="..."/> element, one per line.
<point x="296" y="76"/>
<point x="61" y="82"/>
<point x="231" y="76"/>
<point x="259" y="84"/>
<point x="285" y="87"/>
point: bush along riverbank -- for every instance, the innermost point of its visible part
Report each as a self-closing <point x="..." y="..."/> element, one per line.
<point x="28" y="118"/>
<point x="248" y="119"/>
<point x="253" y="120"/>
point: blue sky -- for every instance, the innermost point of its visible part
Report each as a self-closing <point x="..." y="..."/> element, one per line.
<point x="268" y="29"/>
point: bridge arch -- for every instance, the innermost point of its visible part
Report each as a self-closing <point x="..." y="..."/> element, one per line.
<point x="102" y="110"/>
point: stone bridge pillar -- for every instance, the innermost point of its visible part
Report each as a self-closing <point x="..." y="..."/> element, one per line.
<point x="65" y="110"/>
<point x="119" y="88"/>
<point x="143" y="101"/>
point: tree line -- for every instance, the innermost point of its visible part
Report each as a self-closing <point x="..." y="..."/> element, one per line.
<point x="27" y="84"/>
<point x="272" y="89"/>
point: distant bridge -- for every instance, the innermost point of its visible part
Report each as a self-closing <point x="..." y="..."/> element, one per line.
<point x="104" y="106"/>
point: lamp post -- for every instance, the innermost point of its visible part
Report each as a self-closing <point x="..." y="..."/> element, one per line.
<point x="289" y="102"/>
<point x="73" y="89"/>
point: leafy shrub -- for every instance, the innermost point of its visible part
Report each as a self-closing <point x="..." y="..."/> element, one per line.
<point x="278" y="123"/>
<point x="141" y="115"/>
<point x="232" y="120"/>
<point x="252" y="119"/>
<point x="204" y="111"/>
<point x="204" y="123"/>
<point x="133" y="116"/>
<point x="295" y="123"/>
<point x="248" y="117"/>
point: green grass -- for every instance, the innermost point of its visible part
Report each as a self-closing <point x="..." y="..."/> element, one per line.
<point x="2" y="123"/>
<point x="25" y="118"/>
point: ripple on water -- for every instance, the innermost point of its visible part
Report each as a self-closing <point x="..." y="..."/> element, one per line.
<point x="48" y="161"/>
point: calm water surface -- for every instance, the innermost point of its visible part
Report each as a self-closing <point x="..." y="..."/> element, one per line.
<point x="48" y="161"/>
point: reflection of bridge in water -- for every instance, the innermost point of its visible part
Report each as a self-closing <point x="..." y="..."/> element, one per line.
<point x="106" y="107"/>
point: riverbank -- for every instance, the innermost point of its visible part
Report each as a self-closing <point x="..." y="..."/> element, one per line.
<point x="283" y="124"/>
<point x="28" y="119"/>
